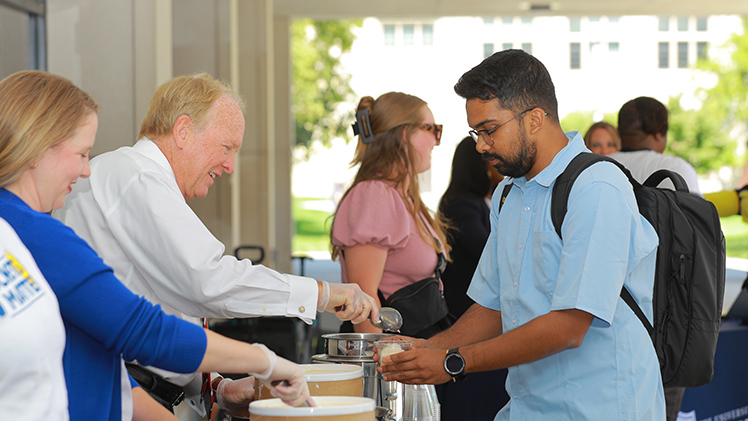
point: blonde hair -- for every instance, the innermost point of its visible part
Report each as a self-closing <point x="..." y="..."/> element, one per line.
<point x="603" y="125"/>
<point x="389" y="158"/>
<point x="192" y="95"/>
<point x="37" y="111"/>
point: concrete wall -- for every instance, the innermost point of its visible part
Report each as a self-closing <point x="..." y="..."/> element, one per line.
<point x="120" y="51"/>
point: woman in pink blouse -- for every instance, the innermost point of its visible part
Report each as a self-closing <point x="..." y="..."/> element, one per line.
<point x="383" y="233"/>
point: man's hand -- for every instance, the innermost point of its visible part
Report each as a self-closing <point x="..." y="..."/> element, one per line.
<point x="235" y="395"/>
<point x="417" y="343"/>
<point x="416" y="366"/>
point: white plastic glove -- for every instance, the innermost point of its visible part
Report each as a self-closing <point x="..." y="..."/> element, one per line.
<point x="235" y="395"/>
<point x="284" y="379"/>
<point x="348" y="302"/>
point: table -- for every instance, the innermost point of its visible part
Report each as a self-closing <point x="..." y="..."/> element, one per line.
<point x="725" y="398"/>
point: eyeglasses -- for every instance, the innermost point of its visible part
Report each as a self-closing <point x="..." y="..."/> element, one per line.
<point x="436" y="129"/>
<point x="476" y="134"/>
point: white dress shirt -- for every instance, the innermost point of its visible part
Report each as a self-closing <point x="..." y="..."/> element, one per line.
<point x="643" y="163"/>
<point x="132" y="212"/>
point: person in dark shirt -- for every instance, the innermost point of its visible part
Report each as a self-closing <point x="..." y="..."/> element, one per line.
<point x="465" y="204"/>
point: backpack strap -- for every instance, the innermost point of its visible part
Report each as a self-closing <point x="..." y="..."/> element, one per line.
<point x="504" y="194"/>
<point x="564" y="182"/>
<point x="629" y="299"/>
<point x="560" y="200"/>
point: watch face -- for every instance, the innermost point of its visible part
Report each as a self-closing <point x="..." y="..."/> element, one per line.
<point x="455" y="364"/>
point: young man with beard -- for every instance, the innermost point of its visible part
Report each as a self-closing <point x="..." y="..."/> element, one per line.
<point x="546" y="308"/>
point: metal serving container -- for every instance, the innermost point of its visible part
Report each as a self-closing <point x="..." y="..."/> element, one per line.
<point x="352" y="345"/>
<point x="358" y="349"/>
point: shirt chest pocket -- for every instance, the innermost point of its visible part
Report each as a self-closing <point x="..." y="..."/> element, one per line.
<point x="546" y="255"/>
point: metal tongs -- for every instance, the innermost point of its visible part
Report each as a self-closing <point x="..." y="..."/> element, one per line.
<point x="390" y="320"/>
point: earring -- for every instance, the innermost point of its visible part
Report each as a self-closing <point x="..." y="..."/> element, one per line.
<point x="34" y="165"/>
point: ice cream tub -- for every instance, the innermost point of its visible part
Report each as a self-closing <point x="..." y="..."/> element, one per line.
<point x="326" y="380"/>
<point x="329" y="408"/>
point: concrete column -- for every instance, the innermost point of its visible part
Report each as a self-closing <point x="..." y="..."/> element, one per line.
<point x="283" y="141"/>
<point x="90" y="42"/>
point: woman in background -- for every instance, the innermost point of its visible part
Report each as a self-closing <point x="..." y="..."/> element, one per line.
<point x="382" y="232"/>
<point x="465" y="206"/>
<point x="47" y="128"/>
<point x="602" y="138"/>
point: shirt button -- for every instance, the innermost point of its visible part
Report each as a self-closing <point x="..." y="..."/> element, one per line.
<point x="516" y="396"/>
<point x="516" y="283"/>
<point x="527" y="208"/>
<point x="302" y="309"/>
<point x="514" y="322"/>
<point x="522" y="246"/>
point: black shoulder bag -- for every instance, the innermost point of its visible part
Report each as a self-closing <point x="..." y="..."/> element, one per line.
<point x="422" y="305"/>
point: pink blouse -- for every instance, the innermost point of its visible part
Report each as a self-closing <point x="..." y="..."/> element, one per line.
<point x="373" y="213"/>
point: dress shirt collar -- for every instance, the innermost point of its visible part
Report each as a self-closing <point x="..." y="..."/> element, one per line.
<point x="148" y="148"/>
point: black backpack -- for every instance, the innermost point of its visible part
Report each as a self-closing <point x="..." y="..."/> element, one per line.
<point x="689" y="276"/>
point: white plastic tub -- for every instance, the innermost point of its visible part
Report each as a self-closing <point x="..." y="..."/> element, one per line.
<point x="330" y="408"/>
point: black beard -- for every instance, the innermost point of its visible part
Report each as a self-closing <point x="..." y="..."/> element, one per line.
<point x="520" y="164"/>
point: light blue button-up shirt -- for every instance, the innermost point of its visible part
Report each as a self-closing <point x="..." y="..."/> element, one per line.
<point x="526" y="271"/>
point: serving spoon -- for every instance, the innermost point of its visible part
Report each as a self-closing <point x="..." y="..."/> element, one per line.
<point x="390" y="320"/>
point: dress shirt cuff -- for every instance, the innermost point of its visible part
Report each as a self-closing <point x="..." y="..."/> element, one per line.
<point x="302" y="301"/>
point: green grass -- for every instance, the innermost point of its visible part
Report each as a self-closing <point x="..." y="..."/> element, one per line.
<point x="312" y="227"/>
<point x="313" y="230"/>
<point x="736" y="236"/>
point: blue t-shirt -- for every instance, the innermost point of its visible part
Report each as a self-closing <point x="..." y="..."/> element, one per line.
<point x="526" y="271"/>
<point x="104" y="321"/>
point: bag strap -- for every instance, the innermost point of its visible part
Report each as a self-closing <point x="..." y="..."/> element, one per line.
<point x="629" y="299"/>
<point x="658" y="176"/>
<point x="504" y="194"/>
<point x="560" y="200"/>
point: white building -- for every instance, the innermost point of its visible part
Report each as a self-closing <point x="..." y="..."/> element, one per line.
<point x="597" y="63"/>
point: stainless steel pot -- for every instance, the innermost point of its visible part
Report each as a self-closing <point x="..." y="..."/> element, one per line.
<point x="358" y="349"/>
<point x="351" y="345"/>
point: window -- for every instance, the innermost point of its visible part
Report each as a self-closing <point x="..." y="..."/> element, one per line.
<point x="575" y="24"/>
<point x="408" y="31"/>
<point x="682" y="24"/>
<point x="701" y="50"/>
<point x="682" y="55"/>
<point x="613" y="47"/>
<point x="428" y="34"/>
<point x="507" y="20"/>
<point x="594" y="19"/>
<point x="507" y="46"/>
<point x="389" y="34"/>
<point x="487" y="50"/>
<point x="527" y="47"/>
<point x="526" y="20"/>
<point x="613" y="19"/>
<point x="575" y="50"/>
<point x="701" y="24"/>
<point x="663" y="55"/>
<point x="488" y="21"/>
<point x="664" y="24"/>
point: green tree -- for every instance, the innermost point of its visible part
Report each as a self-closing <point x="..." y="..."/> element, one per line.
<point x="320" y="86"/>
<point x="730" y="94"/>
<point x="582" y="120"/>
<point x="701" y="136"/>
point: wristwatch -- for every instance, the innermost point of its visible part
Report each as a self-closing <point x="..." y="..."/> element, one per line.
<point x="454" y="364"/>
